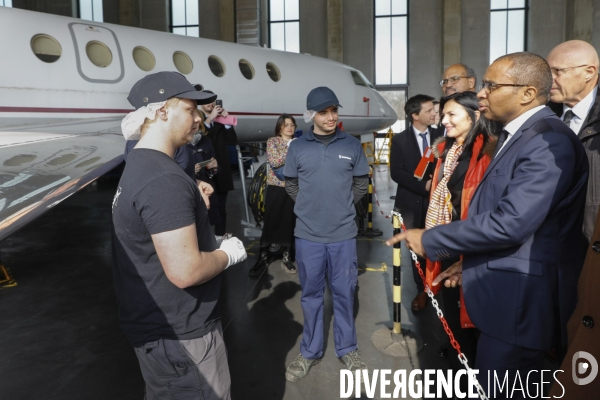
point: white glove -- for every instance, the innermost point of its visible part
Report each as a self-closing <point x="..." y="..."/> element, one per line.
<point x="235" y="250"/>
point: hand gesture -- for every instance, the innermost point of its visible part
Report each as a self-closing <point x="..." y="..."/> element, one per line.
<point x="205" y="191"/>
<point x="453" y="275"/>
<point x="413" y="239"/>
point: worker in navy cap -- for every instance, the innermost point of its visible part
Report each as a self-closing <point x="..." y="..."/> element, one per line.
<point x="326" y="172"/>
<point x="167" y="264"/>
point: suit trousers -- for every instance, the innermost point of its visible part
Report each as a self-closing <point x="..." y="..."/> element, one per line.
<point x="338" y="263"/>
<point x="186" y="369"/>
<point x="221" y="226"/>
<point x="497" y="360"/>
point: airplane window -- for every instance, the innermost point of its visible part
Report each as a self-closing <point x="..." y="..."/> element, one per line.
<point x="46" y="48"/>
<point x="247" y="69"/>
<point x="183" y="62"/>
<point x="273" y="72"/>
<point x="216" y="66"/>
<point x="144" y="58"/>
<point x="98" y="53"/>
<point x="357" y="79"/>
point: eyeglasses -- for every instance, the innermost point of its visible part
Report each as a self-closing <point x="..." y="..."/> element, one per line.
<point x="289" y="126"/>
<point x="489" y="87"/>
<point x="452" y="80"/>
<point x="560" y="71"/>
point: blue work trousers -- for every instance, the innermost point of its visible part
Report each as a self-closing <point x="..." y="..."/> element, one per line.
<point x="338" y="262"/>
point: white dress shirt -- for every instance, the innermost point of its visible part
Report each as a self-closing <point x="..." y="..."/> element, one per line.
<point x="580" y="111"/>
<point x="419" y="140"/>
<point x="513" y="126"/>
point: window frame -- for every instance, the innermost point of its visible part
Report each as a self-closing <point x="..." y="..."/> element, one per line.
<point x="171" y="26"/>
<point x="283" y="21"/>
<point x="5" y="5"/>
<point x="392" y="86"/>
<point x="525" y="26"/>
<point x="92" y="1"/>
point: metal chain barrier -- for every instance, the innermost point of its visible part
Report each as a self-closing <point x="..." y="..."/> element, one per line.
<point x="461" y="357"/>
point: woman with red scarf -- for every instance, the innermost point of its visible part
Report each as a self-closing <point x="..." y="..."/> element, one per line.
<point x="462" y="158"/>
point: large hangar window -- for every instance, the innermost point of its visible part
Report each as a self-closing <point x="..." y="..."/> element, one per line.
<point x="508" y="27"/>
<point x="185" y="17"/>
<point x="284" y="25"/>
<point x="6" y="3"/>
<point x="91" y="10"/>
<point x="391" y="42"/>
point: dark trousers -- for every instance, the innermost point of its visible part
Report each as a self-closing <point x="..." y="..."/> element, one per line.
<point x="221" y="227"/>
<point x="338" y="262"/>
<point x="503" y="359"/>
<point x="186" y="369"/>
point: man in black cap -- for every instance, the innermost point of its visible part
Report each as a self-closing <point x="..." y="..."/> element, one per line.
<point x="167" y="263"/>
<point x="326" y="163"/>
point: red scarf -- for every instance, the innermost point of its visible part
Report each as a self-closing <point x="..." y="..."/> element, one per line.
<point x="473" y="176"/>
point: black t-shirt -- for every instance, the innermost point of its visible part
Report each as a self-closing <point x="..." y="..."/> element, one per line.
<point x="154" y="196"/>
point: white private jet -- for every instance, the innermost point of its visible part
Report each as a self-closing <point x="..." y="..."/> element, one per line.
<point x="63" y="92"/>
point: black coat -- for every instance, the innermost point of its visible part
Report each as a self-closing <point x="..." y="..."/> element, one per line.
<point x="411" y="197"/>
<point x="590" y="137"/>
<point x="220" y="138"/>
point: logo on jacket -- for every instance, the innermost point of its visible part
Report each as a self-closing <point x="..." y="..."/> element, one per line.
<point x="347" y="158"/>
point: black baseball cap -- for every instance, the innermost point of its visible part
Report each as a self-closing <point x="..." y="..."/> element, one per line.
<point x="320" y="98"/>
<point x="163" y="85"/>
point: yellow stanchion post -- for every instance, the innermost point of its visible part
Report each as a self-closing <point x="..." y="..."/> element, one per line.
<point x="370" y="232"/>
<point x="397" y="342"/>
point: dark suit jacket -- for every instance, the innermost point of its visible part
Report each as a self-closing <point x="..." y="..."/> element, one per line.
<point x="590" y="137"/>
<point x="411" y="197"/>
<point x="220" y="138"/>
<point x="521" y="241"/>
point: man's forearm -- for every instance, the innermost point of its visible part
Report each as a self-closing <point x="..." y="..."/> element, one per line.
<point x="291" y="187"/>
<point x="360" y="187"/>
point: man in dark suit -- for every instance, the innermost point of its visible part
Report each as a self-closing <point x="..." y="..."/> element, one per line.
<point x="574" y="66"/>
<point x="412" y="194"/>
<point x="221" y="136"/>
<point x="520" y="242"/>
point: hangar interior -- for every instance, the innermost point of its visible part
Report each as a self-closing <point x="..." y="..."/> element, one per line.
<point x="401" y="46"/>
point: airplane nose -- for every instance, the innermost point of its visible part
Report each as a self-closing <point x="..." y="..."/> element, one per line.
<point x="384" y="109"/>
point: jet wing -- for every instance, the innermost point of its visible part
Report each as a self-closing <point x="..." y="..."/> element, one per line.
<point x="40" y="166"/>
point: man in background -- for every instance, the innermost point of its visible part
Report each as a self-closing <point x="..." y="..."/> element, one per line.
<point x="574" y="65"/>
<point x="412" y="194"/>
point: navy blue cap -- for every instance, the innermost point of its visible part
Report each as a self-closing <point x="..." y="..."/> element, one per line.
<point x="163" y="85"/>
<point x="320" y="98"/>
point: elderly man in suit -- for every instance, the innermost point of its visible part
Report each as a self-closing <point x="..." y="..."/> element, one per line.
<point x="574" y="65"/>
<point x="520" y="242"/>
<point x="412" y="194"/>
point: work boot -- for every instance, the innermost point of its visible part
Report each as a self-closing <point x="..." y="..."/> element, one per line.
<point x="300" y="367"/>
<point x="353" y="361"/>
<point x="264" y="259"/>
<point x="287" y="264"/>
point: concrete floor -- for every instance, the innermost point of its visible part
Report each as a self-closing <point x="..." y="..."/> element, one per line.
<point x="60" y="339"/>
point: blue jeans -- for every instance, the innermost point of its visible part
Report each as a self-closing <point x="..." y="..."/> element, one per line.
<point x="338" y="262"/>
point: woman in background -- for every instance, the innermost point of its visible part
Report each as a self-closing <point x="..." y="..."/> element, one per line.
<point x="279" y="207"/>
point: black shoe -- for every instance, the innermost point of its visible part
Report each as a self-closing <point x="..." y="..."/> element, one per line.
<point x="261" y="264"/>
<point x="287" y="263"/>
